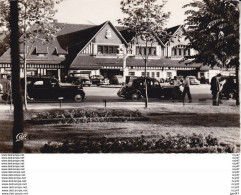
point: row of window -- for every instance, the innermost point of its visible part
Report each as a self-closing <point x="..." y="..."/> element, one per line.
<point x="110" y="49"/>
<point x="153" y="74"/>
<point x="181" y="52"/>
<point x="107" y="49"/>
<point x="146" y="51"/>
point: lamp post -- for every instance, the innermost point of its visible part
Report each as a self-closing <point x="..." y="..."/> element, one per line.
<point x="124" y="57"/>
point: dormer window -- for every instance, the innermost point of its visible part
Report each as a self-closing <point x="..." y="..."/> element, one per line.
<point x="57" y="53"/>
<point x="40" y="51"/>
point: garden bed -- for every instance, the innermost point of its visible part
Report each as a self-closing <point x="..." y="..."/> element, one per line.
<point x="85" y="116"/>
<point x="165" y="144"/>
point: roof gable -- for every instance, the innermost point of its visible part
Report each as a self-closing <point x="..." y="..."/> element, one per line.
<point x="170" y="33"/>
<point x="100" y="28"/>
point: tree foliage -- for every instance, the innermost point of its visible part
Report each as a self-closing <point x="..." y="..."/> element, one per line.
<point x="36" y="23"/>
<point x="144" y="18"/>
<point x="213" y="28"/>
<point x="36" y="17"/>
<point x="4" y="42"/>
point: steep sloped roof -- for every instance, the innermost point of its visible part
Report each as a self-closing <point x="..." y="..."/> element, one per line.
<point x="126" y="33"/>
<point x="80" y="37"/>
<point x="170" y="32"/>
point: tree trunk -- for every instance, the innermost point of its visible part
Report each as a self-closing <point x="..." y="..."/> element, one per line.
<point x="25" y="81"/>
<point x="146" y="99"/>
<point x="18" y="126"/>
<point x="237" y="81"/>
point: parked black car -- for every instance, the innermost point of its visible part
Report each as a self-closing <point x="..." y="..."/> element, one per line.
<point x="135" y="89"/>
<point x="50" y="88"/>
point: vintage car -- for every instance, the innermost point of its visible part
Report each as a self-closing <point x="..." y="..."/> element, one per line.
<point x="50" y="88"/>
<point x="193" y="80"/>
<point x="135" y="89"/>
<point x="78" y="80"/>
<point x="95" y="79"/>
<point x="105" y="81"/>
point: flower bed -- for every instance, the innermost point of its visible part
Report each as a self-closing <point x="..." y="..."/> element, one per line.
<point x="166" y="144"/>
<point x="85" y="116"/>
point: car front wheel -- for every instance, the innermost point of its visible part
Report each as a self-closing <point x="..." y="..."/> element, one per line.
<point x="135" y="96"/>
<point x="78" y="98"/>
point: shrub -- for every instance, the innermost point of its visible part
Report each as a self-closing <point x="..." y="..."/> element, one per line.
<point x="165" y="144"/>
<point x="85" y="116"/>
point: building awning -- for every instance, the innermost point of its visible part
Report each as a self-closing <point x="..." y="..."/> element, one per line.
<point x="91" y="62"/>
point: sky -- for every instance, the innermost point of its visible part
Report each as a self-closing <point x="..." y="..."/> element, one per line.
<point x="99" y="11"/>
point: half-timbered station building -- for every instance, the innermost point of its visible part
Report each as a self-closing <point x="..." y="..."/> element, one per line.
<point x="107" y="50"/>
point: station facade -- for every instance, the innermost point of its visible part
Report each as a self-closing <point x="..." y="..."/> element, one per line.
<point x="85" y="50"/>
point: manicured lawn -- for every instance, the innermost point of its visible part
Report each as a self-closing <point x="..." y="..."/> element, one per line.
<point x="222" y="122"/>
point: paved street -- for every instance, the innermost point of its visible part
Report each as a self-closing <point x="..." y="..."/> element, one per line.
<point x="96" y="96"/>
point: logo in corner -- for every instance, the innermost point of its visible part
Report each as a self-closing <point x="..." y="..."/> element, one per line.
<point x="21" y="137"/>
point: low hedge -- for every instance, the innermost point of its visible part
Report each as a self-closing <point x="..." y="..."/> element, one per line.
<point x="165" y="144"/>
<point x="85" y="116"/>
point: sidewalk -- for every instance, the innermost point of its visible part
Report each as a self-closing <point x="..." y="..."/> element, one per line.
<point x="117" y="104"/>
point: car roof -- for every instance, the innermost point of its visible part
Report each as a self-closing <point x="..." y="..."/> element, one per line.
<point x="143" y="78"/>
<point x="39" y="78"/>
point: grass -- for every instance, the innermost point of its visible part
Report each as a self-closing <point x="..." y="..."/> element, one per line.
<point x="222" y="121"/>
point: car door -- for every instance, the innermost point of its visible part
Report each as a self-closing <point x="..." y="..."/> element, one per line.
<point x="154" y="89"/>
<point x="54" y="92"/>
<point x="39" y="90"/>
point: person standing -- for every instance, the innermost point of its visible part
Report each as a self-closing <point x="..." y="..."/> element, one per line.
<point x="215" y="88"/>
<point x="186" y="85"/>
<point x="176" y="90"/>
<point x="7" y="90"/>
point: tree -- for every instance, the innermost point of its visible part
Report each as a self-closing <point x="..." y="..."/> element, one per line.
<point x="18" y="126"/>
<point x="145" y="19"/>
<point x="36" y="22"/>
<point x="213" y="29"/>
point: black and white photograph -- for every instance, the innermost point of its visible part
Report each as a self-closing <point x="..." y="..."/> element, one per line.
<point x="120" y="76"/>
<point x="119" y="97"/>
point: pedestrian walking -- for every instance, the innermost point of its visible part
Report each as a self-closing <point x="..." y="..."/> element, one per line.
<point x="7" y="89"/>
<point x="176" y="90"/>
<point x="215" y="88"/>
<point x="186" y="85"/>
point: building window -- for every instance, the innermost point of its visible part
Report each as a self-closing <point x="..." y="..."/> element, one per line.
<point x="175" y="52"/>
<point x="148" y="74"/>
<point x="169" y="74"/>
<point x="146" y="50"/>
<point x="110" y="50"/>
<point x="100" y="49"/>
<point x="142" y="74"/>
<point x="189" y="52"/>
<point x="180" y="52"/>
<point x="107" y="49"/>
<point x="157" y="74"/>
<point x="153" y="74"/>
<point x="131" y="73"/>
